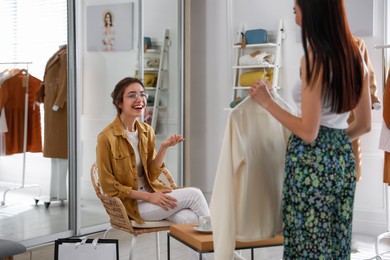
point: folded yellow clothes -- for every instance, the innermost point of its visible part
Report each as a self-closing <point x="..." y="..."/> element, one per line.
<point x="248" y="78"/>
<point x="150" y="79"/>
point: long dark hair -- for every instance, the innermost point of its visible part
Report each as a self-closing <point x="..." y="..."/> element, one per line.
<point x="105" y="22"/>
<point x="117" y="93"/>
<point x="334" y="51"/>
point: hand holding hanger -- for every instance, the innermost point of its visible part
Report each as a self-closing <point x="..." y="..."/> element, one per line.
<point x="260" y="92"/>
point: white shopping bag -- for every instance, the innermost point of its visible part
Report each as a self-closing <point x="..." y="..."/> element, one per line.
<point x="94" y="249"/>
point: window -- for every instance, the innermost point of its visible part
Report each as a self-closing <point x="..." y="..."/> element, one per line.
<point x="32" y="31"/>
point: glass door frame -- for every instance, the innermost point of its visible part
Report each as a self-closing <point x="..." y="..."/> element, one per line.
<point x="75" y="108"/>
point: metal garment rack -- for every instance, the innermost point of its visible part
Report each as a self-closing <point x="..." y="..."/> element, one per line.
<point x="387" y="233"/>
<point x="16" y="186"/>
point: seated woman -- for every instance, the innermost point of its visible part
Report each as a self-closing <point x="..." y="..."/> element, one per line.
<point x="129" y="166"/>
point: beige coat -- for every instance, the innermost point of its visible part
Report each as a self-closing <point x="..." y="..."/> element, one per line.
<point x="53" y="93"/>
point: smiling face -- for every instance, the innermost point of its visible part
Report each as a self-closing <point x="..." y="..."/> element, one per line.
<point x="134" y="101"/>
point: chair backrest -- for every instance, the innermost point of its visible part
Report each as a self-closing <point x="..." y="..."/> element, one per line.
<point x="170" y="179"/>
<point x="114" y="206"/>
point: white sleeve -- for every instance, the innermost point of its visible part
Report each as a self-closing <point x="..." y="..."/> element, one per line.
<point x="222" y="205"/>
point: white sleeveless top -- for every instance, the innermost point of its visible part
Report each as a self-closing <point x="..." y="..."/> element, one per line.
<point x="328" y="118"/>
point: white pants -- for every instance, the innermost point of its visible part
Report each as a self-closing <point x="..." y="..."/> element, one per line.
<point x="58" y="183"/>
<point x="190" y="205"/>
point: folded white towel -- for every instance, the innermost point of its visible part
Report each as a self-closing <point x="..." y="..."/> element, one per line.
<point x="264" y="58"/>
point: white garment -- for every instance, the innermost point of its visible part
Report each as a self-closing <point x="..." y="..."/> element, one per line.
<point x="58" y="183"/>
<point x="3" y="130"/>
<point x="247" y="194"/>
<point x="328" y="118"/>
<point x="384" y="139"/>
<point x="3" y="122"/>
<point x="190" y="205"/>
<point x="264" y="58"/>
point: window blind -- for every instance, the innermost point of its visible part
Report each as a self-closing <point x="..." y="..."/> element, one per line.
<point x="32" y="30"/>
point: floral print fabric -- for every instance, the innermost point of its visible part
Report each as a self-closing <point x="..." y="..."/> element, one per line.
<point x="318" y="196"/>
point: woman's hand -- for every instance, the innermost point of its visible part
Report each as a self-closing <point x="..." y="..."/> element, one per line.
<point x="160" y="198"/>
<point x="172" y="141"/>
<point x="259" y="91"/>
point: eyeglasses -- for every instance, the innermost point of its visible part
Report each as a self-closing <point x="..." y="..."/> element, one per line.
<point x="135" y="96"/>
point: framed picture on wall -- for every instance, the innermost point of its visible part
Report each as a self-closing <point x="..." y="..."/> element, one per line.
<point x="110" y="27"/>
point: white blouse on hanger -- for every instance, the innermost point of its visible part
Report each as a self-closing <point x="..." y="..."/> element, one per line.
<point x="246" y="203"/>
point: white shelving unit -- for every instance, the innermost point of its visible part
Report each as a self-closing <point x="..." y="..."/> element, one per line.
<point x="238" y="70"/>
<point x="159" y="53"/>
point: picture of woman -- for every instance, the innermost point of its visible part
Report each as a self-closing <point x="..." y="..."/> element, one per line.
<point x="109" y="32"/>
<point x="109" y="28"/>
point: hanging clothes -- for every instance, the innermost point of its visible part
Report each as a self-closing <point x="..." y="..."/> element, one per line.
<point x="3" y="122"/>
<point x="374" y="101"/>
<point x="373" y="85"/>
<point x="384" y="139"/>
<point x="3" y="131"/>
<point x="53" y="94"/>
<point x="246" y="203"/>
<point x="12" y="99"/>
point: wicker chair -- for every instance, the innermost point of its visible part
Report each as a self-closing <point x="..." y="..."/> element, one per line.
<point x="119" y="219"/>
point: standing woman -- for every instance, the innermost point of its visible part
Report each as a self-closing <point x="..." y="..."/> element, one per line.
<point x="129" y="167"/>
<point x="109" y="32"/>
<point x="319" y="184"/>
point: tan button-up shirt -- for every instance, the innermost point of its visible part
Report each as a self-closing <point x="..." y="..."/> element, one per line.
<point x="117" y="164"/>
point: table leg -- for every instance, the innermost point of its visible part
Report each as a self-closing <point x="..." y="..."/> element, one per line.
<point x="252" y="253"/>
<point x="200" y="256"/>
<point x="168" y="246"/>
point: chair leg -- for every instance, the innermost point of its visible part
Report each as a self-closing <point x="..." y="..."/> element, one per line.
<point x="158" y="245"/>
<point x="106" y="233"/>
<point x="132" y="247"/>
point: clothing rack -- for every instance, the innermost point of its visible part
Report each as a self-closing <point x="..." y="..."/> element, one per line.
<point x="16" y="186"/>
<point x="387" y="233"/>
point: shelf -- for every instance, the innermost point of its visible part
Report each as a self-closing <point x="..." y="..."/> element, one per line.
<point x="253" y="66"/>
<point x="247" y="87"/>
<point x="152" y="108"/>
<point x="154" y="88"/>
<point x="153" y="51"/>
<point x="158" y="79"/>
<point x="151" y="70"/>
<point x="260" y="45"/>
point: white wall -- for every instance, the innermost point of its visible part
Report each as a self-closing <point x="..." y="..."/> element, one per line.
<point x="210" y="93"/>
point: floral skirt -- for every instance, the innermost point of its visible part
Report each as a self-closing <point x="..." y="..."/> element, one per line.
<point x="318" y="195"/>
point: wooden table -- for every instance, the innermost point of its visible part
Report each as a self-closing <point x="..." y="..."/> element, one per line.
<point x="203" y="242"/>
